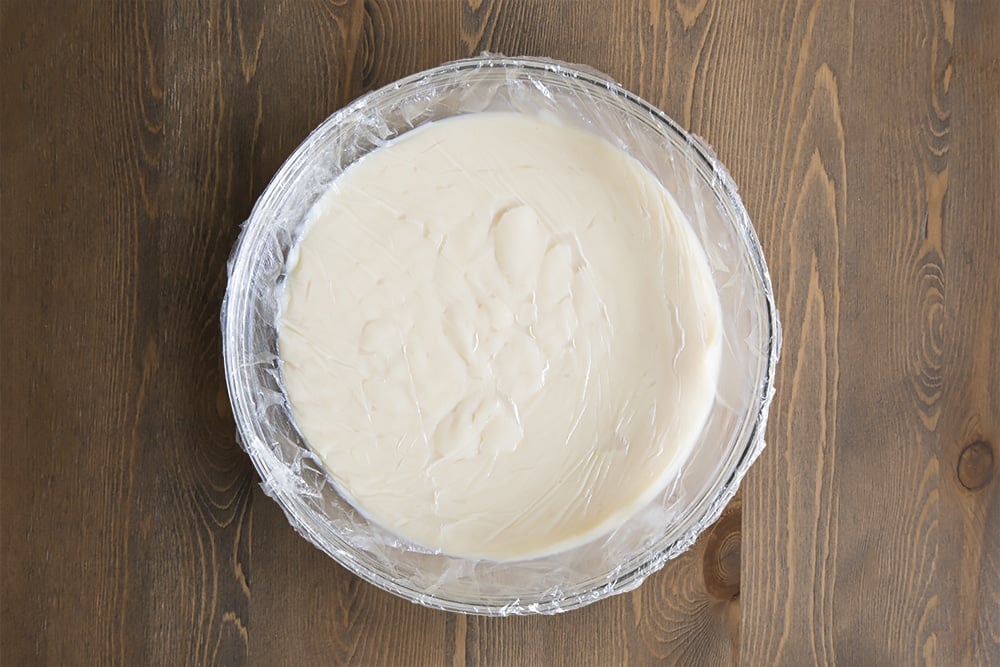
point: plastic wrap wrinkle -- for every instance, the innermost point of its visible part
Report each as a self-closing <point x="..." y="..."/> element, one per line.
<point x="613" y="563"/>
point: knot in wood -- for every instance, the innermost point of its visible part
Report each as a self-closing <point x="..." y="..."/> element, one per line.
<point x="975" y="465"/>
<point x="721" y="561"/>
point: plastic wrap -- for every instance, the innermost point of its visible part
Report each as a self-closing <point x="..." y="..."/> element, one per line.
<point x="615" y="562"/>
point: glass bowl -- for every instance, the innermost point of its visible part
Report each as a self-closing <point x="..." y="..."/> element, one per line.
<point x="733" y="435"/>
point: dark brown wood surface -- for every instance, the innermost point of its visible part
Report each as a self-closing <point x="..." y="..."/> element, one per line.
<point x="134" y="139"/>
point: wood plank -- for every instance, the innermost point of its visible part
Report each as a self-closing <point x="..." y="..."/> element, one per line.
<point x="80" y="133"/>
<point x="962" y="325"/>
<point x="211" y="121"/>
<point x="672" y="619"/>
<point x="791" y="164"/>
<point x="306" y="609"/>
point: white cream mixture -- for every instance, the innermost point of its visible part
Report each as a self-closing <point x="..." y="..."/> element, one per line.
<point x="500" y="335"/>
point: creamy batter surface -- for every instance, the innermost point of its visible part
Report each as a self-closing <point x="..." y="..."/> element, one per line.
<point x="500" y="335"/>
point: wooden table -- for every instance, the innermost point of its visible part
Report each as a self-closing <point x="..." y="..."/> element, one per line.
<point x="865" y="137"/>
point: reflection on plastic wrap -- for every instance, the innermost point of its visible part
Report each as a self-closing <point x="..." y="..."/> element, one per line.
<point x="598" y="552"/>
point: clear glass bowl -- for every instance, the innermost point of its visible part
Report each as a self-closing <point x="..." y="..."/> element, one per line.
<point x="731" y="440"/>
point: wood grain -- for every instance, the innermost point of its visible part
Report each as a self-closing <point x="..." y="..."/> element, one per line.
<point x="80" y="329"/>
<point x="857" y="239"/>
<point x="134" y="139"/>
<point x="969" y="321"/>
